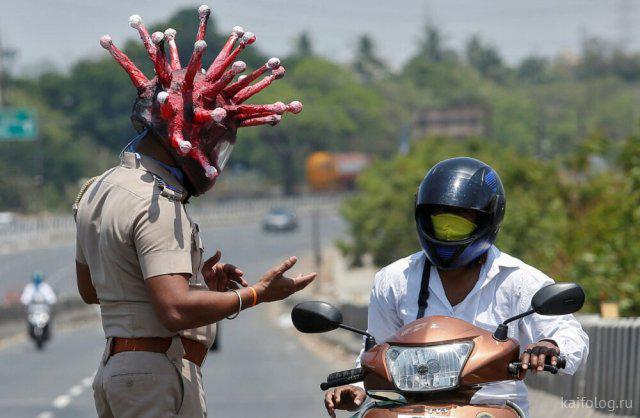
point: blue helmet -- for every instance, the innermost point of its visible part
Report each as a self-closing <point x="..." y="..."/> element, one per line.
<point x="464" y="183"/>
<point x="37" y="278"/>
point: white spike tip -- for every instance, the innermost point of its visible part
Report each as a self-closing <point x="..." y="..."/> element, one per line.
<point x="248" y="38"/>
<point x="273" y="63"/>
<point x="218" y="114"/>
<point x="211" y="172"/>
<point x="135" y="21"/>
<point x="204" y="10"/>
<point x="295" y="107"/>
<point x="157" y="37"/>
<point x="238" y="67"/>
<point x="185" y="147"/>
<point x="106" y="41"/>
<point x="200" y="46"/>
<point x="170" y="33"/>
<point x="162" y="97"/>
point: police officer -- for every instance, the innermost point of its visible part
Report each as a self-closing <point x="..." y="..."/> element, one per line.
<point x="139" y="254"/>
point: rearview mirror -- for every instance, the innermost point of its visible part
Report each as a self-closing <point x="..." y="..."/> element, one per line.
<point x="558" y="299"/>
<point x="315" y="317"/>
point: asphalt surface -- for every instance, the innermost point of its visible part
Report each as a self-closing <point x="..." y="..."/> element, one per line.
<point x="262" y="369"/>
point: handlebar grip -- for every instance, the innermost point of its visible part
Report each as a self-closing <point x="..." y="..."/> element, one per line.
<point x="562" y="362"/>
<point x="345" y="377"/>
<point x="344" y="374"/>
<point x="516" y="366"/>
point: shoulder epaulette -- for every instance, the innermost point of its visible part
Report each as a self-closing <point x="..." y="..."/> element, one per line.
<point x="83" y="189"/>
<point x="167" y="191"/>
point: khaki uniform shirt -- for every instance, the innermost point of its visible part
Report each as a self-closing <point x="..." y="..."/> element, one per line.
<point x="132" y="225"/>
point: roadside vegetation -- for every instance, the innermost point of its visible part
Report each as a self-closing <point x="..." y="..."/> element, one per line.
<point x="562" y="134"/>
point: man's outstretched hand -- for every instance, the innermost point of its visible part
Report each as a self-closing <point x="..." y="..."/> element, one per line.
<point x="346" y="397"/>
<point x="275" y="286"/>
<point x="218" y="276"/>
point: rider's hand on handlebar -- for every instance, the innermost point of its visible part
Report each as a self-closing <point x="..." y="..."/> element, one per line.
<point x="275" y="286"/>
<point x="347" y="397"/>
<point x="535" y="355"/>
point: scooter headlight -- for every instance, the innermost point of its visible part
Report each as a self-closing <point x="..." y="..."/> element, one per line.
<point x="423" y="369"/>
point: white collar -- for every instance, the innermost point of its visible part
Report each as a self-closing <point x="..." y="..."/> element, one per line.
<point x="496" y="261"/>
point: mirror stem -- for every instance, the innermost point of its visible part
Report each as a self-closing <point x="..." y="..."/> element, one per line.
<point x="370" y="340"/>
<point x="522" y="315"/>
<point x="502" y="332"/>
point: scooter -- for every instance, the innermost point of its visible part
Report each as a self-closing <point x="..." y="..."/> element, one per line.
<point x="432" y="367"/>
<point x="38" y="322"/>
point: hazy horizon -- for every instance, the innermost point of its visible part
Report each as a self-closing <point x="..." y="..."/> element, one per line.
<point x="58" y="33"/>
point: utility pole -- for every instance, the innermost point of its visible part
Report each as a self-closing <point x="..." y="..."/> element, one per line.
<point x="316" y="246"/>
<point x="2" y="91"/>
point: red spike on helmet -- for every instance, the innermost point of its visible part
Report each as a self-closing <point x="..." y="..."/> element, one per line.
<point x="197" y="114"/>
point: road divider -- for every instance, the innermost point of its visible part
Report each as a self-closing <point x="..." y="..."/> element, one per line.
<point x="35" y="232"/>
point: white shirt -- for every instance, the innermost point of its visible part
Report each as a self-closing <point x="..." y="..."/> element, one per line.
<point x="504" y="289"/>
<point x="42" y="293"/>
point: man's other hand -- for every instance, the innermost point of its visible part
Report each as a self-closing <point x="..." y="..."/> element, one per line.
<point x="347" y="397"/>
<point x="534" y="356"/>
<point x="218" y="275"/>
<point x="275" y="286"/>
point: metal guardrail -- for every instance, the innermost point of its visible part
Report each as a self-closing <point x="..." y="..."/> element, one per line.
<point x="24" y="233"/>
<point x="610" y="378"/>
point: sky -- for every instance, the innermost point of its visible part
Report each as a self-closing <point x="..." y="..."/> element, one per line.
<point x="58" y="32"/>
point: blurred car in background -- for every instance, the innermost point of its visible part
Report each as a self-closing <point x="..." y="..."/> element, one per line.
<point x="279" y="219"/>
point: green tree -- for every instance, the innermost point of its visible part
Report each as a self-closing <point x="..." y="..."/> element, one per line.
<point x="367" y="64"/>
<point x="535" y="70"/>
<point x="485" y="59"/>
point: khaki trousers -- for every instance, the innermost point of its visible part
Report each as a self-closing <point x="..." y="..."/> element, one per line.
<point x="140" y="384"/>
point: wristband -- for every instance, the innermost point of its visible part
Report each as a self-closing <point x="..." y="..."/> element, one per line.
<point x="255" y="296"/>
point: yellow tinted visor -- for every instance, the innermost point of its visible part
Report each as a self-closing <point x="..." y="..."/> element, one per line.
<point x="450" y="227"/>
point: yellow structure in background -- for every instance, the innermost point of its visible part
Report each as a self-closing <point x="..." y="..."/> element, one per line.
<point x="334" y="171"/>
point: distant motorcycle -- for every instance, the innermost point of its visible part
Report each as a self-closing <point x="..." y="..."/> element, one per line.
<point x="38" y="320"/>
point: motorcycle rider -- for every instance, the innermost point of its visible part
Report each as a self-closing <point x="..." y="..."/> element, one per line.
<point x="37" y="290"/>
<point x="459" y="273"/>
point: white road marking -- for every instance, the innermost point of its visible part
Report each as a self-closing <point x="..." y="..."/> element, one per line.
<point x="87" y="381"/>
<point x="76" y="390"/>
<point x="61" y="401"/>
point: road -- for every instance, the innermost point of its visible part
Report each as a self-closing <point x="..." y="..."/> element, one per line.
<point x="262" y="369"/>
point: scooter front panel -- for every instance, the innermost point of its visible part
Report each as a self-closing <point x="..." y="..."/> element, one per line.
<point x="439" y="411"/>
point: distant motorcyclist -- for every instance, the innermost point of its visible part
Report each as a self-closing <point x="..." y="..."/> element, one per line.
<point x="37" y="290"/>
<point x="38" y="297"/>
<point x="459" y="273"/>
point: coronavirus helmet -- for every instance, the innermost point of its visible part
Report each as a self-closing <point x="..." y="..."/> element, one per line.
<point x="196" y="113"/>
<point x="459" y="184"/>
